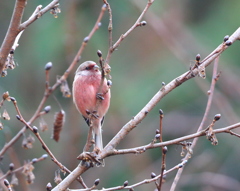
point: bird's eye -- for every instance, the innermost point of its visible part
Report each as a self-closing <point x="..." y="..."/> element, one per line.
<point x="87" y="68"/>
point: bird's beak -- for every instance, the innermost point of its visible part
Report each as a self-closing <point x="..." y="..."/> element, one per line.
<point x="96" y="67"/>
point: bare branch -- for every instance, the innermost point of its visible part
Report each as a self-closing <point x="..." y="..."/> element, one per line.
<point x="206" y="113"/>
<point x="12" y="32"/>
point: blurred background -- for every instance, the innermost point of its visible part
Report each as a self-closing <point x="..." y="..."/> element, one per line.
<point x="166" y="47"/>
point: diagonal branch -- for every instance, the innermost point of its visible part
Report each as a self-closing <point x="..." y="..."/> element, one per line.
<point x="163" y="92"/>
<point x="12" y="32"/>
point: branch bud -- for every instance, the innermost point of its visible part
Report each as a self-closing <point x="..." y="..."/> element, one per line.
<point x="157" y="136"/>
<point x="6" y="182"/>
<point x="228" y="42"/>
<point x="226" y="38"/>
<point x="86" y="39"/>
<point x="153" y="175"/>
<point x="49" y="186"/>
<point x="198" y="57"/>
<point x="125" y="183"/>
<point x="97" y="182"/>
<point x="34" y="160"/>
<point x="44" y="156"/>
<point x="165" y="149"/>
<point x="143" y="23"/>
<point x="11" y="166"/>
<point x="160" y="112"/>
<point x="48" y="66"/>
<point x="217" y="117"/>
<point x="35" y="129"/>
<point x="18" y="117"/>
<point x="47" y="109"/>
<point x="99" y="53"/>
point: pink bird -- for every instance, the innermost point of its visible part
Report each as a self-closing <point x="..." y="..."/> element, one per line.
<point x="91" y="96"/>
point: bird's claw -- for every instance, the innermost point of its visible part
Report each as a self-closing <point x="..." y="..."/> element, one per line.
<point x="100" y="96"/>
<point x="89" y="159"/>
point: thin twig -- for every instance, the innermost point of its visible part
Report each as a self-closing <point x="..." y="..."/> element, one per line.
<point x="206" y="113"/>
<point x="20" y="168"/>
<point x="141" y="149"/>
<point x="123" y="36"/>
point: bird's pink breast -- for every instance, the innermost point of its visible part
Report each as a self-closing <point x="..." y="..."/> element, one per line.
<point x="85" y="91"/>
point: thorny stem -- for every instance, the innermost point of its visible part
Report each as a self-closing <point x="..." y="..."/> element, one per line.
<point x="206" y="113"/>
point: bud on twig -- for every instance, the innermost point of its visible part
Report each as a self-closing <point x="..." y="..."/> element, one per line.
<point x="228" y="42"/>
<point x="86" y="39"/>
<point x="47" y="109"/>
<point x="226" y="38"/>
<point x="153" y="175"/>
<point x="97" y="182"/>
<point x="157" y="136"/>
<point x="198" y="57"/>
<point x="165" y="149"/>
<point x="18" y="117"/>
<point x="6" y="182"/>
<point x="48" y="66"/>
<point x="99" y="53"/>
<point x="13" y="99"/>
<point x="125" y="183"/>
<point x="35" y="129"/>
<point x="49" y="186"/>
<point x="217" y="117"/>
<point x="160" y="112"/>
<point x="143" y="23"/>
<point x="44" y="156"/>
<point x="11" y="166"/>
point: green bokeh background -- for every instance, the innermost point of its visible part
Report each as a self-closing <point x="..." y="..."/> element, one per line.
<point x="158" y="52"/>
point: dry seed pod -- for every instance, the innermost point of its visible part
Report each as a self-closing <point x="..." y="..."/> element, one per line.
<point x="65" y="89"/>
<point x="43" y="125"/>
<point x="58" y="124"/>
<point x="27" y="142"/>
<point x="27" y="171"/>
<point x="57" y="178"/>
<point x="5" y="96"/>
<point x="5" y="115"/>
<point x="14" y="180"/>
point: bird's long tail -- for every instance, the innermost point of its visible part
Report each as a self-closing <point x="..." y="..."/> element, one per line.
<point x="97" y="130"/>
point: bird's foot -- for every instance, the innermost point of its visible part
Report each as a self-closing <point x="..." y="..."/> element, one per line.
<point x="100" y="96"/>
<point x="90" y="158"/>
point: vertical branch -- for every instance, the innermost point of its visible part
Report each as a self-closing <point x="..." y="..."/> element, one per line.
<point x="12" y="32"/>
<point x="164" y="151"/>
<point x="210" y="98"/>
<point x="110" y="27"/>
